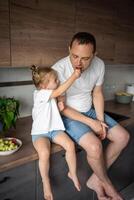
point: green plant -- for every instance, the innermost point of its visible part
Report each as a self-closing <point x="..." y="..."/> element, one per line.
<point x="9" y="111"/>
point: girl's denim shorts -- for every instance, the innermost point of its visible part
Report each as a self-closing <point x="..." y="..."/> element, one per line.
<point x="76" y="129"/>
<point x="50" y="135"/>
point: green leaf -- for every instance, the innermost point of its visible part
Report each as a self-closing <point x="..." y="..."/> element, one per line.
<point x="9" y="111"/>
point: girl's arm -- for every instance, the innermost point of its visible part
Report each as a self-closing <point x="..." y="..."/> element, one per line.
<point x="63" y="87"/>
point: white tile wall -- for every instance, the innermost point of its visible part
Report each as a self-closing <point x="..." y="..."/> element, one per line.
<point x="22" y="93"/>
<point x="116" y="77"/>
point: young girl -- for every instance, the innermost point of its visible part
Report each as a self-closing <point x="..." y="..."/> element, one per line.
<point x="47" y="123"/>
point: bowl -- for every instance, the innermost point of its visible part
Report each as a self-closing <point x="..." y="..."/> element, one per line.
<point x="123" y="97"/>
<point x="9" y="145"/>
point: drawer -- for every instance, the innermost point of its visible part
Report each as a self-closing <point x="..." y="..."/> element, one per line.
<point x="22" y="192"/>
<point x="62" y="186"/>
<point x="58" y="165"/>
<point x="18" y="176"/>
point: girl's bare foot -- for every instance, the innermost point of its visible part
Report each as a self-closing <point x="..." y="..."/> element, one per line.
<point x="47" y="190"/>
<point x="75" y="181"/>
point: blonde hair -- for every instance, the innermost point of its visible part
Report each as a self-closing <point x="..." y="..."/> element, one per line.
<point x="41" y="75"/>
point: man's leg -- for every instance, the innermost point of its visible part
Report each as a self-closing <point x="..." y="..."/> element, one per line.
<point x="93" y="148"/>
<point x="119" y="138"/>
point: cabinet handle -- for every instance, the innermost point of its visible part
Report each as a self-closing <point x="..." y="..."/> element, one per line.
<point x="8" y="199"/>
<point x="4" y="179"/>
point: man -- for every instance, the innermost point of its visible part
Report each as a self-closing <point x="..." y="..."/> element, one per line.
<point x="85" y="125"/>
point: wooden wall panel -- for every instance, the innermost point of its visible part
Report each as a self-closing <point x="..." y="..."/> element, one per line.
<point x="40" y="31"/>
<point x="4" y="34"/>
<point x="124" y="44"/>
<point x="98" y="17"/>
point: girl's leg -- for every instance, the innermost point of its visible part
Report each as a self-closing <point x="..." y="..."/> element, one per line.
<point x="42" y="146"/>
<point x="63" y="140"/>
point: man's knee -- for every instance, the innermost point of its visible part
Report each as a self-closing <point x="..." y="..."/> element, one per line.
<point x="120" y="136"/>
<point x="95" y="150"/>
<point x="124" y="138"/>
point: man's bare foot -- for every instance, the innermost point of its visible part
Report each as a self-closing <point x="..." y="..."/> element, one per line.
<point x="94" y="184"/>
<point x="103" y="190"/>
<point x="111" y="191"/>
<point x="75" y="181"/>
<point x="47" y="190"/>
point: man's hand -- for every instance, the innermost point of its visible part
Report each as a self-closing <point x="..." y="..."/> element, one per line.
<point x="103" y="133"/>
<point x="99" y="128"/>
<point x="61" y="105"/>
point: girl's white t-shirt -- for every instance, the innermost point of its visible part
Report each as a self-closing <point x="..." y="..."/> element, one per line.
<point x="79" y="95"/>
<point x="45" y="113"/>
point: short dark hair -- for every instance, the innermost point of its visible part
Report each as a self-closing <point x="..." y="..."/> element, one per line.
<point x="84" y="38"/>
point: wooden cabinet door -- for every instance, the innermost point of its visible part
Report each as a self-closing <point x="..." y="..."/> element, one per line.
<point x="62" y="186"/>
<point x="124" y="44"/>
<point x="4" y="34"/>
<point x="19" y="183"/>
<point x="121" y="172"/>
<point x="40" y="31"/>
<point x="98" y="18"/>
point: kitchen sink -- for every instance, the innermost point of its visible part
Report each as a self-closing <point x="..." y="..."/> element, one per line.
<point x="116" y="116"/>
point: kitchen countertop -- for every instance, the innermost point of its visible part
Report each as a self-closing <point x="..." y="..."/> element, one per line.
<point x="27" y="153"/>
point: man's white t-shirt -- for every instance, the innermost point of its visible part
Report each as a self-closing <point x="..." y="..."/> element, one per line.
<point x="79" y="95"/>
<point x="45" y="113"/>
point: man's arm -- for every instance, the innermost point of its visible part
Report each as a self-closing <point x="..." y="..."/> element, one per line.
<point x="98" y="102"/>
<point x="63" y="87"/>
<point x="75" y="115"/>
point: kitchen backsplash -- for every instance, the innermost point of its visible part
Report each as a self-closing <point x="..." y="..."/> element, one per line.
<point x="116" y="78"/>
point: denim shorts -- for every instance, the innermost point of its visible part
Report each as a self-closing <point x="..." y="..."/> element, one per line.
<point x="50" y="135"/>
<point x="76" y="129"/>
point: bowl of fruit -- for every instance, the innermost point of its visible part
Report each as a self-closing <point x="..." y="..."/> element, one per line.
<point x="9" y="146"/>
<point x="123" y="97"/>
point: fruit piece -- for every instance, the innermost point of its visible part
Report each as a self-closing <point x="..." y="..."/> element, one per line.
<point x="123" y="94"/>
<point x="6" y="144"/>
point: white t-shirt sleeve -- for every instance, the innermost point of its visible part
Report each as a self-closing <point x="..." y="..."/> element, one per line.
<point x="42" y="96"/>
<point x="101" y="72"/>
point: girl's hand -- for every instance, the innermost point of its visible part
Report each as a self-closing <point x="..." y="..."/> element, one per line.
<point x="77" y="73"/>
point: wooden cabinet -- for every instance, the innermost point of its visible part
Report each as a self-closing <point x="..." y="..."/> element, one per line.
<point x="62" y="186"/>
<point x="18" y="183"/>
<point x="40" y="31"/>
<point x="98" y="18"/>
<point x="124" y="44"/>
<point x="4" y="34"/>
<point x="121" y="172"/>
